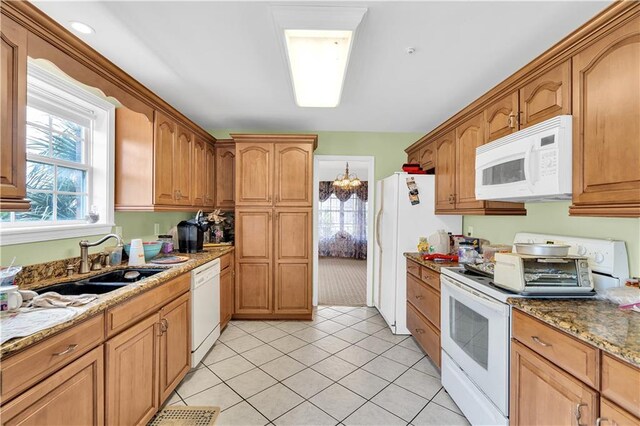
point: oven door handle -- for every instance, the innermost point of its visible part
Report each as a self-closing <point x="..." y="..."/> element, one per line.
<point x="492" y="304"/>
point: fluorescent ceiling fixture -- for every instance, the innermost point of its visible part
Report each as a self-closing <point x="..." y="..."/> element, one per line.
<point x="318" y="62"/>
<point x="82" y="27"/>
<point x="317" y="43"/>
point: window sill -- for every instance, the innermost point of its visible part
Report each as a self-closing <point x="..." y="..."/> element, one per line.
<point x="9" y="236"/>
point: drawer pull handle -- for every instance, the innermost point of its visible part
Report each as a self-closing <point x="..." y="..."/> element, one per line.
<point x="419" y="297"/>
<point x="601" y="420"/>
<point x="578" y="414"/>
<point x="540" y="342"/>
<point x="69" y="349"/>
<point x="419" y="331"/>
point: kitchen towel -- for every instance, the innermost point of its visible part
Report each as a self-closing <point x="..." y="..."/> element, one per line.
<point x="52" y="299"/>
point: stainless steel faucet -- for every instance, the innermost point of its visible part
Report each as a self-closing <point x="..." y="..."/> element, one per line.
<point x="84" y="251"/>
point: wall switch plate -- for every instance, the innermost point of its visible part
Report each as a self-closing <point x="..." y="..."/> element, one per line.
<point x="469" y="231"/>
<point x="156" y="229"/>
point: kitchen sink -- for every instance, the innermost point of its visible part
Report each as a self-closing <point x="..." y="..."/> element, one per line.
<point x="103" y="283"/>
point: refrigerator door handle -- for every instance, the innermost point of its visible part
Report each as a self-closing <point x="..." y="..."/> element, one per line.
<point x="378" y="229"/>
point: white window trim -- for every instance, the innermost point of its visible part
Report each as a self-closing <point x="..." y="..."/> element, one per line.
<point x="105" y="134"/>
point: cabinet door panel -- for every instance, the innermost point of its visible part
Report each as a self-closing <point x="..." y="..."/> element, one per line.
<point x="293" y="174"/>
<point x="225" y="177"/>
<point x="445" y="149"/>
<point x="210" y="180"/>
<point x="606" y="109"/>
<point x="199" y="173"/>
<point x="543" y="394"/>
<point x="253" y="234"/>
<point x="469" y="136"/>
<point x="164" y="142"/>
<point x="13" y="102"/>
<point x="182" y="164"/>
<point x="413" y="157"/>
<point x="253" y="288"/>
<point x="616" y="416"/>
<point x="500" y="118"/>
<point x="293" y="235"/>
<point x="132" y="374"/>
<point x="546" y="96"/>
<point x="428" y="156"/>
<point x="292" y="292"/>
<point x="254" y="174"/>
<point x="175" y="344"/>
<point x="226" y="297"/>
<point x="72" y="396"/>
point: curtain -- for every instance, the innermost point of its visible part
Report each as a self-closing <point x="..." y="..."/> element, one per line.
<point x="343" y="221"/>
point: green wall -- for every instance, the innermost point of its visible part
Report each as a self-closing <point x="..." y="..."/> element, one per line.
<point x="387" y="148"/>
<point x="553" y="218"/>
<point x="134" y="225"/>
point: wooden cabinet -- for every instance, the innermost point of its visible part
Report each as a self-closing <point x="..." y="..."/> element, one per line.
<point x="445" y="147"/>
<point x="13" y="105"/>
<point x="132" y="374"/>
<point x="175" y="344"/>
<point x="293" y="177"/>
<point x="225" y="174"/>
<point x="621" y="383"/>
<point x="469" y="136"/>
<point x="423" y="308"/>
<point x="546" y="96"/>
<point x="413" y="157"/>
<point x="273" y="225"/>
<point x="210" y="176"/>
<point x="542" y="394"/>
<point x="179" y="176"/>
<point x="613" y="415"/>
<point x="293" y="235"/>
<point x="500" y="118"/>
<point x="227" y="289"/>
<point x="72" y="396"/>
<point x="606" y="114"/>
<point x="428" y="156"/>
<point x="254" y="174"/>
<point x="199" y="172"/>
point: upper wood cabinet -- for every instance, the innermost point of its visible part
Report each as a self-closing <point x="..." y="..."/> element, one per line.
<point x="606" y="135"/>
<point x="445" y="148"/>
<point x="414" y="157"/>
<point x="13" y="105"/>
<point x="210" y="175"/>
<point x="546" y="96"/>
<point x="428" y="156"/>
<point x="179" y="176"/>
<point x="469" y="136"/>
<point x="225" y="174"/>
<point x="293" y="177"/>
<point x="500" y="118"/>
<point x="254" y="174"/>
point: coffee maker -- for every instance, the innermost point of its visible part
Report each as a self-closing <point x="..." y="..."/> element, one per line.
<point x="191" y="234"/>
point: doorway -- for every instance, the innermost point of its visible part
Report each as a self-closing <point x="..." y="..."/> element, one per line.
<point x="343" y="232"/>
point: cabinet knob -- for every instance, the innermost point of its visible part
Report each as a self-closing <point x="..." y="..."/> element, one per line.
<point x="419" y="331"/>
<point x="419" y="297"/>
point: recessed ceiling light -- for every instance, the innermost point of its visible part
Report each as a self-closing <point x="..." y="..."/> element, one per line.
<point x="317" y="44"/>
<point x="82" y="27"/>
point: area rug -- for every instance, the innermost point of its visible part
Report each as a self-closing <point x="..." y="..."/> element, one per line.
<point x="185" y="416"/>
<point x="342" y="281"/>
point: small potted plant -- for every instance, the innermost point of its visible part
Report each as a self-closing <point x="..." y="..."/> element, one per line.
<point x="217" y="230"/>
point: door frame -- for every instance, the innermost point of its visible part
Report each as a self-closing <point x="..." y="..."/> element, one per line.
<point x="370" y="160"/>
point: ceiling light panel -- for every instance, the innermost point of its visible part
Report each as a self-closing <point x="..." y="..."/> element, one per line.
<point x="317" y="42"/>
<point x="81" y="27"/>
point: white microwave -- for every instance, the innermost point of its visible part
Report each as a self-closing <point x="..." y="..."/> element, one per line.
<point x="533" y="164"/>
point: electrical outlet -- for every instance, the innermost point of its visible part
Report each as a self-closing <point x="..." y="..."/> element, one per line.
<point x="156" y="229"/>
<point x="469" y="231"/>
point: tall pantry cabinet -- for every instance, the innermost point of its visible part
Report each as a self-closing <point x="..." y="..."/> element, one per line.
<point x="273" y="197"/>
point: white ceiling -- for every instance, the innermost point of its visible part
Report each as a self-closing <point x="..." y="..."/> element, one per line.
<point x="221" y="64"/>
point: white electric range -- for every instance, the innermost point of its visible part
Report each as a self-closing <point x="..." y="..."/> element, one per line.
<point x="476" y="324"/>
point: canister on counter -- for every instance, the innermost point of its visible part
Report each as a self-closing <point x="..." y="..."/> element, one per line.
<point x="167" y="243"/>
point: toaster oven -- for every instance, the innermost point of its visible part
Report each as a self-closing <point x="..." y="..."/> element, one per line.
<point x="538" y="275"/>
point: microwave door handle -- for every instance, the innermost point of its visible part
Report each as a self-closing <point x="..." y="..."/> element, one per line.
<point x="530" y="172"/>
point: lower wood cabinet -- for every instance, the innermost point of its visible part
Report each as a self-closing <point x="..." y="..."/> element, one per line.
<point x="543" y="394"/>
<point x="175" y="347"/>
<point x="72" y="396"/>
<point x="132" y="374"/>
<point x="613" y="415"/>
<point x="226" y="296"/>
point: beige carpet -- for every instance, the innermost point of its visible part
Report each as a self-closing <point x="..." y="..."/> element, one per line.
<point x="342" y="282"/>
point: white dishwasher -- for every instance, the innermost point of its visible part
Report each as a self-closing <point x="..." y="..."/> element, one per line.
<point x="205" y="309"/>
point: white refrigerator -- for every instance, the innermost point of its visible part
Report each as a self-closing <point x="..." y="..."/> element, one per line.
<point x="399" y="226"/>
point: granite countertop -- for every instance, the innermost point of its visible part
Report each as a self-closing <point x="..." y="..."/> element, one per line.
<point x="596" y="322"/>
<point x="108" y="300"/>
<point x="434" y="266"/>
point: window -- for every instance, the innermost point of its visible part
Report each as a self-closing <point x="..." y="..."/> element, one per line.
<point x="336" y="216"/>
<point x="69" y="162"/>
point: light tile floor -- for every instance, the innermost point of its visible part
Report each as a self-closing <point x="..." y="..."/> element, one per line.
<point x="344" y="367"/>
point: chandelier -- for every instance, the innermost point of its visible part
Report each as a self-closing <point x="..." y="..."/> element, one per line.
<point x="347" y="181"/>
